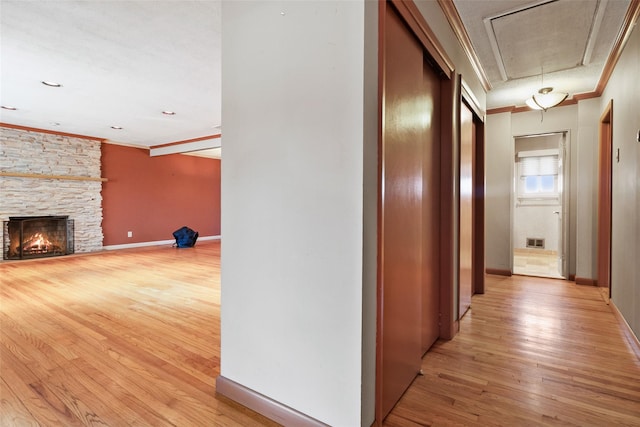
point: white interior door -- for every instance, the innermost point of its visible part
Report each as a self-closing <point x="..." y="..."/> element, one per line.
<point x="562" y="250"/>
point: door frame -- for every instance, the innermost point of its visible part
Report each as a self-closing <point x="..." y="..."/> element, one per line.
<point x="479" y="185"/>
<point x="605" y="202"/>
<point x="449" y="107"/>
<point x="565" y="198"/>
<point x="477" y="199"/>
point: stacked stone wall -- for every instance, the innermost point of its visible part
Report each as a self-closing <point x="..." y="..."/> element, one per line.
<point x="30" y="152"/>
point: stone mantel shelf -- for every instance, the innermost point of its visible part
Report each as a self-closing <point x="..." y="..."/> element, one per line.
<point x="45" y="176"/>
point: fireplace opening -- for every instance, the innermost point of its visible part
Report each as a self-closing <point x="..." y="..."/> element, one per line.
<point x="37" y="236"/>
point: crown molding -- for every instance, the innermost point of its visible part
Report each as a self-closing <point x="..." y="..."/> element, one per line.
<point x="586" y="95"/>
<point x="507" y="109"/>
<point x="52" y="132"/>
<point x="524" y="108"/>
<point x="186" y="141"/>
<point x="629" y="22"/>
<point x="460" y="31"/>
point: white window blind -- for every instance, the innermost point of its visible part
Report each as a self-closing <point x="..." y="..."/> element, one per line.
<point x="539" y="165"/>
<point x="538" y="171"/>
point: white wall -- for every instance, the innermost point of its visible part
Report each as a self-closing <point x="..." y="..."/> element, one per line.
<point x="538" y="222"/>
<point x="586" y="154"/>
<point x="499" y="156"/>
<point x="624" y="89"/>
<point x="370" y="217"/>
<point x="293" y="253"/>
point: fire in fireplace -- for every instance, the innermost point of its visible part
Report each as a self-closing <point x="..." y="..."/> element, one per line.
<point x="38" y="236"/>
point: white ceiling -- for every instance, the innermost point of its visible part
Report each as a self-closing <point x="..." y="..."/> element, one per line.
<point x="516" y="40"/>
<point x="121" y="63"/>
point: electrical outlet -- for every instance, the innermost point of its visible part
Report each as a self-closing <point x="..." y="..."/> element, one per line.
<point x="129" y="233"/>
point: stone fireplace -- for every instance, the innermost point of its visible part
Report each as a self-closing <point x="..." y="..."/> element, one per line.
<point x="38" y="237"/>
<point x="53" y="175"/>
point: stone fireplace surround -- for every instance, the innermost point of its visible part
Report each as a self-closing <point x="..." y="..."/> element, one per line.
<point x="37" y="153"/>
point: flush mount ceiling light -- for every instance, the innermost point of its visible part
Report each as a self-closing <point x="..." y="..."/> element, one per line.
<point x="50" y="83"/>
<point x="546" y="98"/>
<point x="116" y="127"/>
<point x="169" y="113"/>
<point x="9" y="107"/>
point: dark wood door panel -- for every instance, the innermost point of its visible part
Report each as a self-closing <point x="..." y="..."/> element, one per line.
<point x="409" y="215"/>
<point x="430" y="208"/>
<point x="467" y="150"/>
<point x="401" y="211"/>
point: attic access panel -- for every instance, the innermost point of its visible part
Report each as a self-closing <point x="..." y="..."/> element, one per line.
<point x="559" y="30"/>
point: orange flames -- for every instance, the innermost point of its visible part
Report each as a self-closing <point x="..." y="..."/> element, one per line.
<point x="37" y="244"/>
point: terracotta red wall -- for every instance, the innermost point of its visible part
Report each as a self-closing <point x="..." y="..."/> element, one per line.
<point x="154" y="196"/>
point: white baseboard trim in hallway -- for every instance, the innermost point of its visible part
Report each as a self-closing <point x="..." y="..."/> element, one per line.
<point x="263" y="405"/>
<point x="632" y="339"/>
<point x="154" y="243"/>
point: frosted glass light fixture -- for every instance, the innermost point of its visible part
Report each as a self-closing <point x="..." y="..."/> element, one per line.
<point x="546" y="98"/>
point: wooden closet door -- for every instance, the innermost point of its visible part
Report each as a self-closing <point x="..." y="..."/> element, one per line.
<point x="407" y="149"/>
<point x="467" y="154"/>
<point x="401" y="211"/>
<point x="430" y="208"/>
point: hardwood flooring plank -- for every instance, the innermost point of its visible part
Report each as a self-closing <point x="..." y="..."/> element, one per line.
<point x="12" y="410"/>
<point x="121" y="338"/>
<point x="120" y="398"/>
<point x="132" y="337"/>
<point x="531" y="351"/>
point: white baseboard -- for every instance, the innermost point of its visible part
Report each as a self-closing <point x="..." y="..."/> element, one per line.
<point x="631" y="337"/>
<point x="154" y="243"/>
<point x="264" y="405"/>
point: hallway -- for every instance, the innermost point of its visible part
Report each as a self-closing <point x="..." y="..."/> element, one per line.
<point x="531" y="351"/>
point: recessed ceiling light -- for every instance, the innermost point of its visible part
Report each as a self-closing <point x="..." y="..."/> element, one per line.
<point x="51" y="84"/>
<point x="116" y="127"/>
<point x="9" y="107"/>
<point x="169" y="113"/>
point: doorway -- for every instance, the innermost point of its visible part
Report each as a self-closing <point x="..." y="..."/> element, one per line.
<point x="539" y="208"/>
<point x="471" y="203"/>
<point x="604" y="199"/>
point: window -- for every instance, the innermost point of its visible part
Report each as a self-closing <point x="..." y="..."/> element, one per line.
<point x="538" y="174"/>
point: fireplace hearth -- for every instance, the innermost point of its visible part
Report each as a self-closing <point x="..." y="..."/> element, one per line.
<point x="28" y="237"/>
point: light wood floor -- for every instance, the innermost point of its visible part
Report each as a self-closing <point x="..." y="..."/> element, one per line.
<point x="536" y="262"/>
<point x="531" y="352"/>
<point x="121" y="338"/>
<point x="132" y="338"/>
